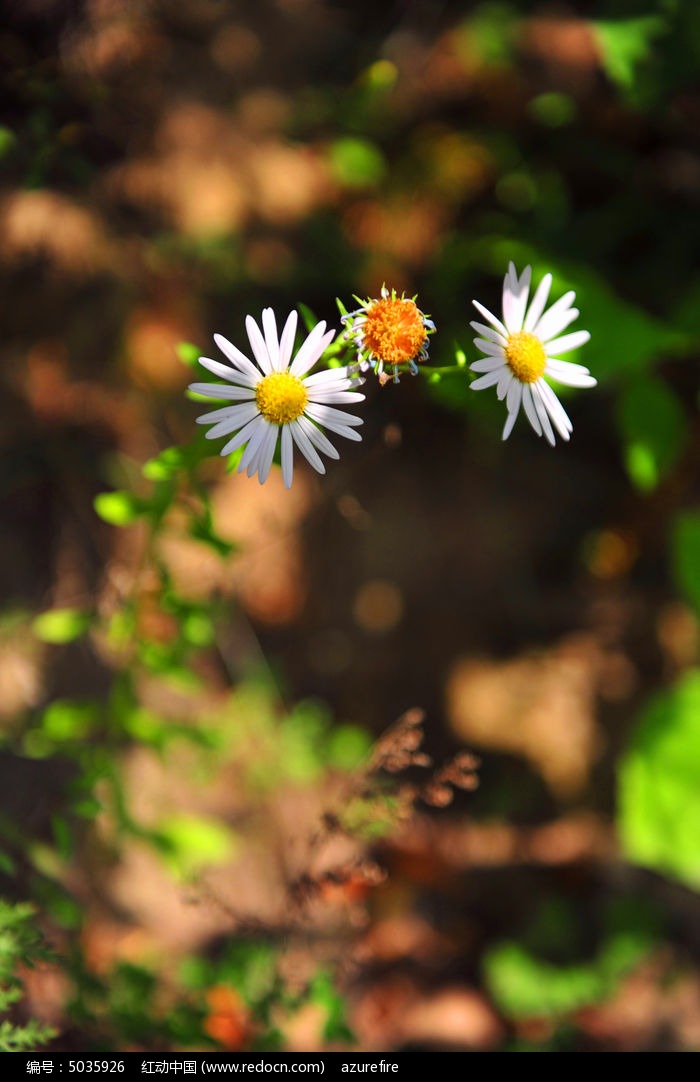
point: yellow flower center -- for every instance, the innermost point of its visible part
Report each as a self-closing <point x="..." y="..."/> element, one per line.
<point x="525" y="356"/>
<point x="393" y="330"/>
<point x="281" y="397"/>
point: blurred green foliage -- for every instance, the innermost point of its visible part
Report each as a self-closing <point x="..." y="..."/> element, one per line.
<point x="654" y="430"/>
<point x="62" y="625"/>
<point x="627" y="46"/>
<point x="238" y="1000"/>
<point x="272" y="747"/>
<point x="525" y="984"/>
<point x="21" y="945"/>
<point x="685" y="552"/>
<point x="659" y="796"/>
<point x="357" y="163"/>
<point x="553" y="177"/>
<point x="296" y="747"/>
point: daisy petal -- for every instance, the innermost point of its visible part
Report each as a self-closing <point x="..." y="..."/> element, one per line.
<point x="267" y="453"/>
<point x="568" y="317"/>
<point x="325" y="414"/>
<point x="487" y="364"/>
<point x="257" y="344"/>
<point x="255" y="442"/>
<point x="530" y="411"/>
<point x="505" y="380"/>
<point x="311" y="349"/>
<point x="510" y="282"/>
<point x="515" y="294"/>
<point x="568" y="342"/>
<point x="332" y="376"/>
<point x="492" y="349"/>
<point x="321" y="442"/>
<point x="508" y="426"/>
<point x="555" y="410"/>
<point x="538" y="302"/>
<point x="272" y="345"/>
<point x="287" y="341"/>
<point x="488" y="332"/>
<point x="567" y="366"/>
<point x="287" y="453"/>
<point x="236" y="358"/>
<point x="239" y="415"/>
<point x="346" y="433"/>
<point x="225" y="414"/>
<point x="571" y="375"/>
<point x="485" y="381"/>
<point x="555" y="318"/>
<point x="491" y="318"/>
<point x="248" y="378"/>
<point x="317" y="395"/>
<point x="342" y="430"/>
<point x="304" y="444"/>
<point x="542" y="413"/>
<point x="219" y="390"/>
<point x="241" y="437"/>
<point x="514" y="396"/>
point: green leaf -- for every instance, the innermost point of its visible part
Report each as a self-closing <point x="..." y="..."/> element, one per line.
<point x="308" y="317"/>
<point x="65" y="720"/>
<point x="188" y="353"/>
<point x="356" y="162"/>
<point x="190" y="843"/>
<point x="7" y="864"/>
<point x="553" y="109"/>
<point x="325" y="995"/>
<point x="165" y="465"/>
<point x="380" y="76"/>
<point x="347" y="747"/>
<point x="198" y="629"/>
<point x="89" y="808"/>
<point x="626" y="44"/>
<point x="490" y="33"/>
<point x="658" y="791"/>
<point x="25" y="1038"/>
<point x="685" y="551"/>
<point x="62" y="836"/>
<point x="523" y="985"/>
<point x="145" y="726"/>
<point x="173" y="460"/>
<point x="201" y="529"/>
<point x="62" y="625"/>
<point x="233" y="459"/>
<point x="251" y="968"/>
<point x="118" y="508"/>
<point x="623" y="338"/>
<point x="653" y="428"/>
<point x="7" y="141"/>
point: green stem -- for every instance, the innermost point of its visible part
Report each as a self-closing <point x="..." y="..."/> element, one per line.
<point x="443" y="370"/>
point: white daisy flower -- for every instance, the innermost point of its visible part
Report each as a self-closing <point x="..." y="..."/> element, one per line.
<point x="275" y="398"/>
<point x="524" y="347"/>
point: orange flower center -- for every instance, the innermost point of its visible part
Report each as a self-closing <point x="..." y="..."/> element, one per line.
<point x="393" y="330"/>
